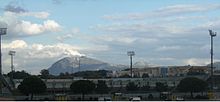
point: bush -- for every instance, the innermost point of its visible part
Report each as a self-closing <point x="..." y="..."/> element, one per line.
<point x="150" y="97"/>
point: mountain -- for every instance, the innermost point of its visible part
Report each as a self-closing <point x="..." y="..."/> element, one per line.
<point x="71" y="65"/>
<point x="141" y="64"/>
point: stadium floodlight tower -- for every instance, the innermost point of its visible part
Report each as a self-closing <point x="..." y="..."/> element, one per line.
<point x="12" y="53"/>
<point x="212" y="34"/>
<point x="80" y="61"/>
<point x="3" y="31"/>
<point x="131" y="54"/>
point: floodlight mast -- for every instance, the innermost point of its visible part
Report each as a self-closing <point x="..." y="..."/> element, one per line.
<point x="12" y="53"/>
<point x="80" y="62"/>
<point x="3" y="31"/>
<point x="131" y="53"/>
<point x="212" y="34"/>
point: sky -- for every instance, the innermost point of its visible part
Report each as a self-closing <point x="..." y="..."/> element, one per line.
<point x="160" y="32"/>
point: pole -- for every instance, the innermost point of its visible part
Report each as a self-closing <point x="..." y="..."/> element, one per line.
<point x="79" y="64"/>
<point x="131" y="65"/>
<point x="12" y="69"/>
<point x="1" y="56"/>
<point x="212" y="34"/>
<point x="72" y="74"/>
<point x="3" y="31"/>
<point x="212" y="62"/>
<point x="1" y="85"/>
<point x="130" y="54"/>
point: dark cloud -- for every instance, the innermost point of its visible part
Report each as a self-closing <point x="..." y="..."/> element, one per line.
<point x="15" y="9"/>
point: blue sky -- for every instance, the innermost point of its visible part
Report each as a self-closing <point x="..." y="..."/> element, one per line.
<point x="161" y="32"/>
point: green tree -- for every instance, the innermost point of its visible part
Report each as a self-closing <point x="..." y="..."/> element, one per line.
<point x="160" y="87"/>
<point x="19" y="74"/>
<point x="32" y="85"/>
<point x="192" y="84"/>
<point x="92" y="74"/>
<point x="101" y="87"/>
<point x="145" y="75"/>
<point x="125" y="76"/>
<point x="44" y="73"/>
<point x="82" y="87"/>
<point x="132" y="87"/>
<point x="145" y="88"/>
<point x="150" y="97"/>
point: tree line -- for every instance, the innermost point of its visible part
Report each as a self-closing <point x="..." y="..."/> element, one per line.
<point x="34" y="85"/>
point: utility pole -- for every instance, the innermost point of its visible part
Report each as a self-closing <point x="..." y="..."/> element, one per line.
<point x="131" y="53"/>
<point x="3" y="31"/>
<point x="212" y="34"/>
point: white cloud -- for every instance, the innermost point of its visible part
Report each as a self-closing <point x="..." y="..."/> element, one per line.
<point x="167" y="59"/>
<point x="17" y="27"/>
<point x="16" y="44"/>
<point x="167" y="48"/>
<point x="34" y="57"/>
<point x="40" y="51"/>
<point x="75" y="32"/>
<point x="51" y="25"/>
<point x="29" y="28"/>
<point x="41" y="15"/>
<point x="196" y="61"/>
<point x="173" y="10"/>
<point x="156" y="30"/>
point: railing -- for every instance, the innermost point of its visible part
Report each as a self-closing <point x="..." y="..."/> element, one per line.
<point x="6" y="84"/>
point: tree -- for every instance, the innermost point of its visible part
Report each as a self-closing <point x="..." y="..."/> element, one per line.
<point x="101" y="87"/>
<point x="44" y="73"/>
<point x="145" y="88"/>
<point x="82" y="87"/>
<point x="145" y="75"/>
<point x="192" y="84"/>
<point x="160" y="87"/>
<point x="150" y="97"/>
<point x="19" y="74"/>
<point x="125" y="76"/>
<point x="131" y="87"/>
<point x="92" y="74"/>
<point x="32" y="85"/>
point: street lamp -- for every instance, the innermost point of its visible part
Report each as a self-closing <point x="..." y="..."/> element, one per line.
<point x="131" y="53"/>
<point x="212" y="34"/>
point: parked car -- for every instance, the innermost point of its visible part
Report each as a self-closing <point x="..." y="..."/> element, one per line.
<point x="104" y="99"/>
<point x="135" y="99"/>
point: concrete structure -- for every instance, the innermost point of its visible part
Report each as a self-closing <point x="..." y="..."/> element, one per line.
<point x="164" y="71"/>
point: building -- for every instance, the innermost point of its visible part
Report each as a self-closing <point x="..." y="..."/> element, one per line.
<point x="164" y="71"/>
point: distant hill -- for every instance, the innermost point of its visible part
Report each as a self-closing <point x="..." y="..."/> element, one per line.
<point x="141" y="64"/>
<point x="71" y="64"/>
<point x="216" y="65"/>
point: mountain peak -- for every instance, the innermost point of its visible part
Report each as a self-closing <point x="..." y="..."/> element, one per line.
<point x="71" y="65"/>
